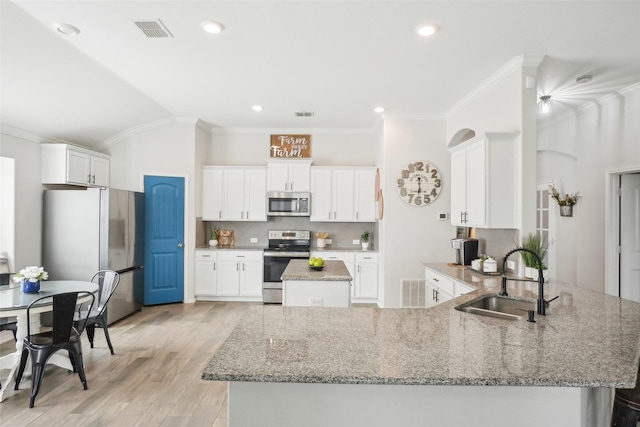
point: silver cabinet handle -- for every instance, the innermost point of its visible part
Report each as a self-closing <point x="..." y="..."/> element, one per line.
<point x="89" y="178"/>
<point x="243" y="264"/>
<point x="214" y="266"/>
<point x="237" y="266"/>
<point x="219" y="214"/>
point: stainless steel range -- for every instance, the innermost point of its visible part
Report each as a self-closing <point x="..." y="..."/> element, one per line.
<point x="284" y="245"/>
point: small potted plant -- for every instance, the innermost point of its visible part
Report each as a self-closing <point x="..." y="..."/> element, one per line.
<point x="536" y="244"/>
<point x="213" y="241"/>
<point x="30" y="278"/>
<point x="364" y="240"/>
<point x="565" y="202"/>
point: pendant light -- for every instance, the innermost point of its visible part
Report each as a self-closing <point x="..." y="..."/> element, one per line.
<point x="545" y="104"/>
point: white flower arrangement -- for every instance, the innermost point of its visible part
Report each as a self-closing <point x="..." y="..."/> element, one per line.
<point x="32" y="274"/>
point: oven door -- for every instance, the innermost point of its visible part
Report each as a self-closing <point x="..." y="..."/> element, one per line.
<point x="275" y="262"/>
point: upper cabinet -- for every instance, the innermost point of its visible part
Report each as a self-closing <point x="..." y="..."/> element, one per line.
<point x="483" y="181"/>
<point x="234" y="193"/>
<point x="343" y="194"/>
<point x="288" y="175"/>
<point x="66" y="164"/>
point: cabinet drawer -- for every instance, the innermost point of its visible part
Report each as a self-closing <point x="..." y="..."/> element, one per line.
<point x="346" y="257"/>
<point x="439" y="281"/>
<point x="240" y="255"/>
<point x="362" y="258"/>
<point x="205" y="255"/>
<point x="462" y="289"/>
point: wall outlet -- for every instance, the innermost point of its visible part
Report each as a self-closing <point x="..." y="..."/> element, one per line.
<point x="328" y="241"/>
<point x="511" y="265"/>
<point x="254" y="240"/>
<point x="315" y="302"/>
<point x="356" y="241"/>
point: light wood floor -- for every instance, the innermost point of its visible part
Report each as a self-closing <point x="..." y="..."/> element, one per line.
<point x="152" y="380"/>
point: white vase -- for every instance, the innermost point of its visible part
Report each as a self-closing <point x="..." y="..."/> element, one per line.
<point x="365" y="246"/>
<point x="531" y="273"/>
<point x="213" y="243"/>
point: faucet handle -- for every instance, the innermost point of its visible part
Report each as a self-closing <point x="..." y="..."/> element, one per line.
<point x="546" y="303"/>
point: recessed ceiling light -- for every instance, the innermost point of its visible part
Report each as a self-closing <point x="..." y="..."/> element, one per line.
<point x="586" y="78"/>
<point x="427" y="30"/>
<point x="257" y="107"/>
<point x="379" y="109"/>
<point x="212" y="27"/>
<point x="66" y="29"/>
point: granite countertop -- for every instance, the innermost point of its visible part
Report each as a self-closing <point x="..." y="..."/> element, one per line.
<point x="344" y="249"/>
<point x="588" y="339"/>
<point x="298" y="269"/>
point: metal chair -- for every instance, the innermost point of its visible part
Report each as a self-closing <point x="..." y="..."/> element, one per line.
<point x="108" y="281"/>
<point x="626" y="406"/>
<point x="63" y="336"/>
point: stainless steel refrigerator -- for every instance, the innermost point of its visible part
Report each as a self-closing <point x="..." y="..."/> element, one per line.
<point x="96" y="229"/>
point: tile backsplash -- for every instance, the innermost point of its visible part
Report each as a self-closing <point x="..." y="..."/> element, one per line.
<point x="341" y="234"/>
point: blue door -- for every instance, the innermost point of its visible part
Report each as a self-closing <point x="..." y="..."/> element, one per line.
<point x="164" y="235"/>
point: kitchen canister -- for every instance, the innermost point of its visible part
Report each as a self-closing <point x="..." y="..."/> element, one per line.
<point x="490" y="265"/>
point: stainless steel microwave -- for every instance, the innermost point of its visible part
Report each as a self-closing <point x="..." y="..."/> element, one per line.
<point x="288" y="204"/>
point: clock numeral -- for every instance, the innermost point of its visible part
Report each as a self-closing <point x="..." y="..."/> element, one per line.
<point x="405" y="173"/>
<point x="434" y="193"/>
<point x="403" y="192"/>
<point x="437" y="183"/>
<point x="418" y="201"/>
<point x="400" y="182"/>
<point x="412" y="167"/>
<point x="419" y="166"/>
<point x="434" y="173"/>
<point x="427" y="199"/>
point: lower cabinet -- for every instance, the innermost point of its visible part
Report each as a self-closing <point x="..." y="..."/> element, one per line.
<point x="439" y="288"/>
<point x="366" y="280"/>
<point x="230" y="274"/>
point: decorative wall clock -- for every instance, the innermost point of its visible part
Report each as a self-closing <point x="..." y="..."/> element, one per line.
<point x="419" y="183"/>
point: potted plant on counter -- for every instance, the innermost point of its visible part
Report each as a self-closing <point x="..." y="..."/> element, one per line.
<point x="565" y="202"/>
<point x="536" y="244"/>
<point x="213" y="241"/>
<point x="364" y="240"/>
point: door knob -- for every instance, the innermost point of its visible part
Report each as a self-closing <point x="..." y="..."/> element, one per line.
<point x="181" y="245"/>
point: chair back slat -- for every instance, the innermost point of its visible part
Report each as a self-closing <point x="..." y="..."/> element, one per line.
<point x="108" y="281"/>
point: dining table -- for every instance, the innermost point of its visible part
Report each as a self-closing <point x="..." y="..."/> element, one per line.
<point x="14" y="303"/>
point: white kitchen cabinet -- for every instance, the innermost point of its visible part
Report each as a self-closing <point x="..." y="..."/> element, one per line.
<point x="290" y="175"/>
<point x="240" y="273"/>
<point x="66" y="164"/>
<point x="348" y="258"/>
<point x="234" y="193"/>
<point x="342" y="194"/>
<point x="461" y="289"/>
<point x="366" y="277"/>
<point x="438" y="288"/>
<point x="483" y="181"/>
<point x="206" y="273"/>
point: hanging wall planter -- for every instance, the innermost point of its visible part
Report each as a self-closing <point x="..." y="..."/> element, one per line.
<point x="566" y="210"/>
<point x="565" y="202"/>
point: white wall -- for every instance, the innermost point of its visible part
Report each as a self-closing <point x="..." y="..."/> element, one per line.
<point x="250" y="147"/>
<point x="25" y="151"/>
<point x="602" y="137"/>
<point x="413" y="235"/>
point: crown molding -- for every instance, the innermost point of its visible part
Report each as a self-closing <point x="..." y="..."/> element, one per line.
<point x="30" y="136"/>
<point x="515" y="64"/>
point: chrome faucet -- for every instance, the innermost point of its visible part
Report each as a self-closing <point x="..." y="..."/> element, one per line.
<point x="541" y="304"/>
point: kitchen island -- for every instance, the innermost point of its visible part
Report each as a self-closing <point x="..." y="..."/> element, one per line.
<point x="303" y="286"/>
<point x="369" y="366"/>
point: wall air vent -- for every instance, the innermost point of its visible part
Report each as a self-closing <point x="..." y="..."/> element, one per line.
<point x="153" y="28"/>
<point x="303" y="114"/>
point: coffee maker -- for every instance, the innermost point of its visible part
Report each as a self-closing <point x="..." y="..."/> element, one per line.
<point x="466" y="250"/>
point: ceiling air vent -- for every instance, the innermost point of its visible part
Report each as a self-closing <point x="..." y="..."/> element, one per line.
<point x="303" y="114"/>
<point x="153" y="28"/>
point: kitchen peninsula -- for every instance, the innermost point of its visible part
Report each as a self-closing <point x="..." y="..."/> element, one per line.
<point x="365" y="366"/>
<point x="303" y="286"/>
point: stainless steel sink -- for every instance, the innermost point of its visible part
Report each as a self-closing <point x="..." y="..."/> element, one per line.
<point x="498" y="307"/>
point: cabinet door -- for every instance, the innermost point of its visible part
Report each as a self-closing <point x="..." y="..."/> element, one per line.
<point x="99" y="171"/>
<point x="476" y="184"/>
<point x="299" y="177"/>
<point x="255" y="201"/>
<point x="342" y="186"/>
<point x="364" y="195"/>
<point x="233" y="195"/>
<point x="430" y="295"/>
<point x="78" y="167"/>
<point x="458" y="187"/>
<point x="277" y="177"/>
<point x="251" y="278"/>
<point x="321" y="195"/>
<point x="212" y="184"/>
<point x="366" y="277"/>
<point x="205" y="279"/>
<point x="228" y="277"/>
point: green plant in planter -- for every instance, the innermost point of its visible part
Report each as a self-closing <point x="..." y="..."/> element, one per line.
<point x="214" y="234"/>
<point x="364" y="237"/>
<point x="536" y="244"/>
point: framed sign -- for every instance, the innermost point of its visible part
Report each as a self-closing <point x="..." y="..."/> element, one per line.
<point x="290" y="146"/>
